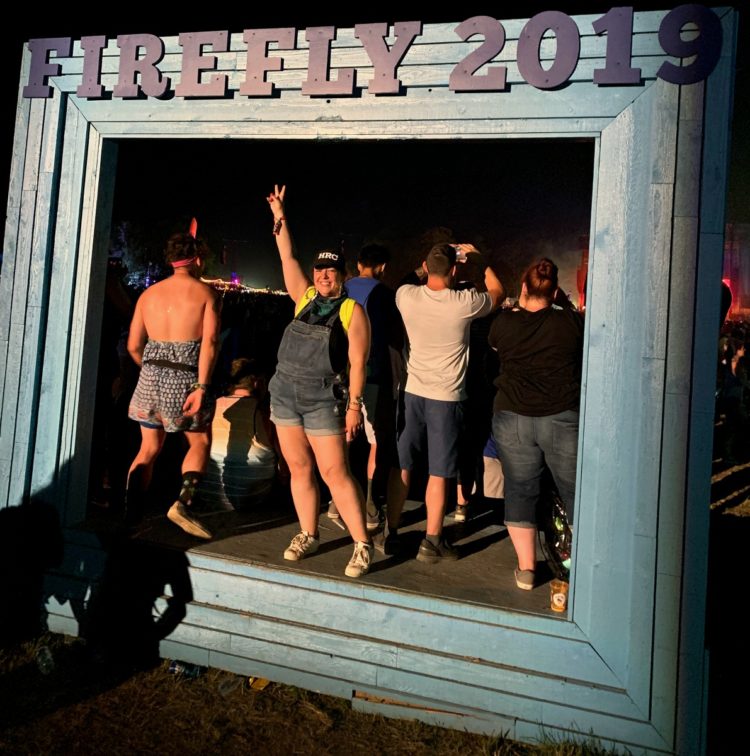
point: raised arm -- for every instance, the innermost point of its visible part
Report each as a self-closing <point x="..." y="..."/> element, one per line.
<point x="492" y="283"/>
<point x="359" y="349"/>
<point x="295" y="280"/>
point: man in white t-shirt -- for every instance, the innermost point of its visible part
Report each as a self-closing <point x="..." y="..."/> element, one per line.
<point x="437" y="319"/>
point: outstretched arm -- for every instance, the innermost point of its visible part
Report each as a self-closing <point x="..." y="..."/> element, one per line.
<point x="295" y="280"/>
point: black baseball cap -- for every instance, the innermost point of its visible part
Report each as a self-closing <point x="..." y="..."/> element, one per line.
<point x="330" y="258"/>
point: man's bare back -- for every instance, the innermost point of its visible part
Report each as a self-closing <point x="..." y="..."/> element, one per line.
<point x="174" y="309"/>
<point x="174" y="338"/>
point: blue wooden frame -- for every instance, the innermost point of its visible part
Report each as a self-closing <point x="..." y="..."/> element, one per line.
<point x="628" y="663"/>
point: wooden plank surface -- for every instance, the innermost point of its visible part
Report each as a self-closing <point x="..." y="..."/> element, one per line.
<point x="98" y="193"/>
<point x="63" y="275"/>
<point x="627" y="307"/>
<point x="12" y="219"/>
<point x="37" y="292"/>
<point x="327" y="610"/>
<point x="421" y="128"/>
<point x="579" y="100"/>
<point x="15" y="318"/>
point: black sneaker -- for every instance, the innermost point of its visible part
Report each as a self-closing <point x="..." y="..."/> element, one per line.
<point x="390" y="545"/>
<point x="431" y="554"/>
<point x="372" y="517"/>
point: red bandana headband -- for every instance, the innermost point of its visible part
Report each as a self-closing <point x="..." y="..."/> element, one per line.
<point x="183" y="263"/>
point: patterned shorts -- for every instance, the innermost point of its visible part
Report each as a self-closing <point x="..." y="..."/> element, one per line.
<point x="162" y="389"/>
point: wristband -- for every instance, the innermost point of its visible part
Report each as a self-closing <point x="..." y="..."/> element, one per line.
<point x="197" y="386"/>
<point x="277" y="225"/>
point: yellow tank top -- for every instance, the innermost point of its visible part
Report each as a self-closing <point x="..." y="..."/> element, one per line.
<point x="345" y="313"/>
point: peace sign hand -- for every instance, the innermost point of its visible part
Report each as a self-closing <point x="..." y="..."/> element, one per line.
<point x="276" y="201"/>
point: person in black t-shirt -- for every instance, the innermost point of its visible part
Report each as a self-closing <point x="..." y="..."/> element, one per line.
<point x="535" y="420"/>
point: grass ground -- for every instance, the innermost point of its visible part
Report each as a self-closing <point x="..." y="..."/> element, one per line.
<point x="83" y="707"/>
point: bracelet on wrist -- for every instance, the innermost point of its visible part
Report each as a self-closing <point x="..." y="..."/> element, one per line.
<point x="197" y="386"/>
<point x="277" y="225"/>
<point x="356" y="408"/>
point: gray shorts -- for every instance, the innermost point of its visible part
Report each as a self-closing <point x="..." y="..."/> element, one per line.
<point x="316" y="405"/>
<point x="433" y="424"/>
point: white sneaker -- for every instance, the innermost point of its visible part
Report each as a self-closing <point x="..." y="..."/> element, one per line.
<point x="359" y="564"/>
<point x="180" y="515"/>
<point x="302" y="545"/>
<point x="333" y="512"/>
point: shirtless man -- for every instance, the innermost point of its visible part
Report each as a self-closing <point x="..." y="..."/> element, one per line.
<point x="174" y="339"/>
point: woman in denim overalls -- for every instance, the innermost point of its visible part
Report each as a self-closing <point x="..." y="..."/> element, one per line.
<point x="315" y="405"/>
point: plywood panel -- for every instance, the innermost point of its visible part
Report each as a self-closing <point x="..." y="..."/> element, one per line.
<point x="64" y="267"/>
<point x="15" y="316"/>
<point x="579" y="99"/>
<point x="334" y="129"/>
<point x="319" y="603"/>
<point x="84" y="351"/>
<point x="12" y="219"/>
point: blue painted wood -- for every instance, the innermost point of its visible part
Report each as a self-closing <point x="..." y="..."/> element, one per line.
<point x="446" y="608"/>
<point x="579" y="99"/>
<point x="552" y="715"/>
<point x="250" y="631"/>
<point x="96" y="213"/>
<point x="415" y="129"/>
<point x="502" y="645"/>
<point x="613" y="410"/>
<point x="457" y="720"/>
<point x="16" y="317"/>
<point x="311" y="680"/>
<point x="64" y="261"/>
<point x="12" y="217"/>
<point x="37" y="293"/>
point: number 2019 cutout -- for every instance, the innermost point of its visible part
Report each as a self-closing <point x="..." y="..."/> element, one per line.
<point x="617" y="24"/>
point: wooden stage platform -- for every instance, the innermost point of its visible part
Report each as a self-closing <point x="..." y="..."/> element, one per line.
<point x="482" y="575"/>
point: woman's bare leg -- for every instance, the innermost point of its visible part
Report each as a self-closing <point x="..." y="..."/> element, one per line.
<point x="524" y="542"/>
<point x="331" y="457"/>
<point x="299" y="458"/>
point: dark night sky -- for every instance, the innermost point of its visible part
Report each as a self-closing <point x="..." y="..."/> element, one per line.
<point x="514" y="197"/>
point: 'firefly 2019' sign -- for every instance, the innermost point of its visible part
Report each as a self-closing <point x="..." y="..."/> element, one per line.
<point x="140" y="54"/>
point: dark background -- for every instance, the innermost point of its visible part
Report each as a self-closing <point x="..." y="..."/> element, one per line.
<point x="516" y="199"/>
